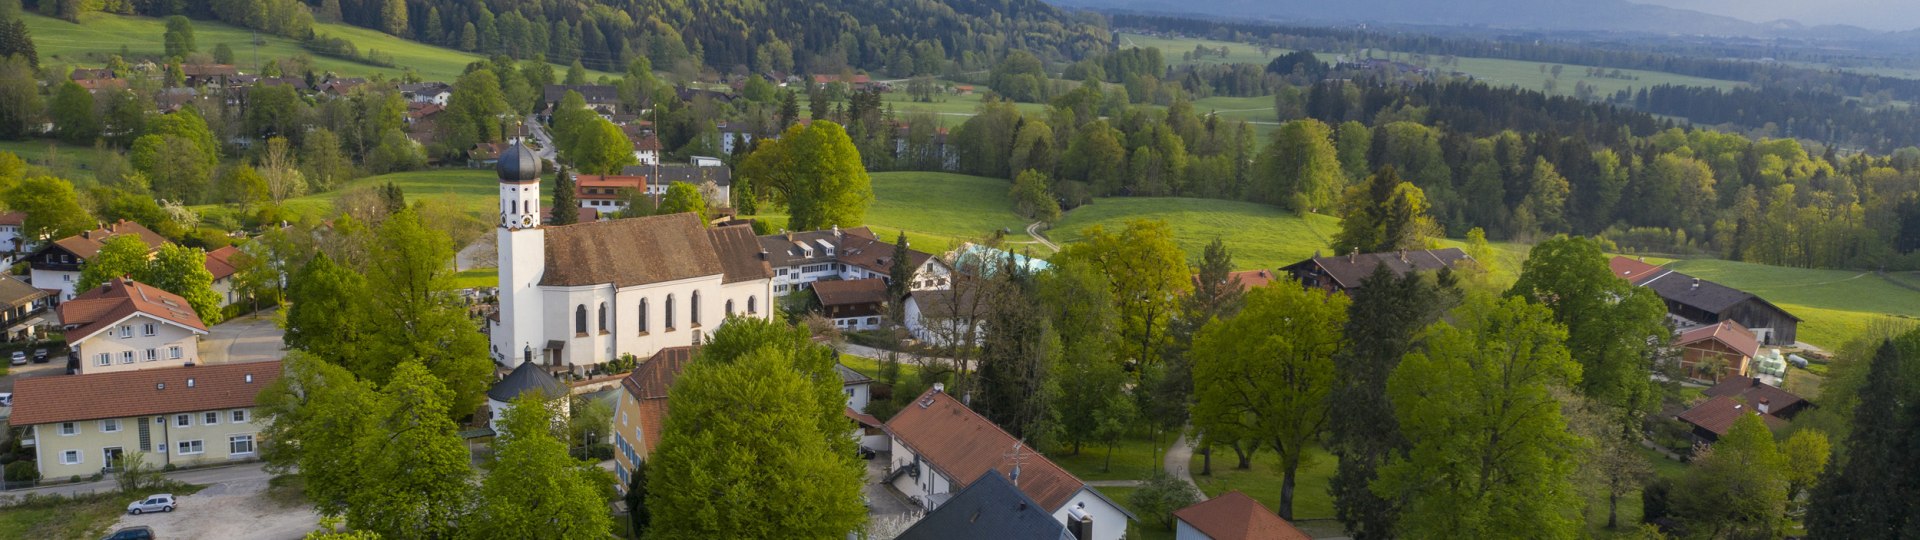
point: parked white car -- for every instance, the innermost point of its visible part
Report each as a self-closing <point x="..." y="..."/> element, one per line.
<point x="153" y="503"/>
<point x="6" y="399"/>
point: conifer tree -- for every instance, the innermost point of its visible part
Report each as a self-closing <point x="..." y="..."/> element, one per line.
<point x="566" y="205"/>
<point x="1868" y="492"/>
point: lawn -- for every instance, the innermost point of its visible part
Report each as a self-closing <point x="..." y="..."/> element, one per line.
<point x="1260" y="236"/>
<point x="1493" y="71"/>
<point x="100" y="35"/>
<point x="53" y="154"/>
<point x="474" y="190"/>
<point x="952" y="109"/>
<point x="1134" y="458"/>
<point x="1834" y="305"/>
<point x="477" y="278"/>
<point x="1311" y="502"/>
<point x="944" y="204"/>
<point x="68" y="520"/>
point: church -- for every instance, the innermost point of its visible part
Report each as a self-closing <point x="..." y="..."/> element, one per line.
<point x="574" y="296"/>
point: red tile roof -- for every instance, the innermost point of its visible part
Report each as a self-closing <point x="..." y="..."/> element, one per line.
<point x="1731" y="333"/>
<point x="1752" y="391"/>
<point x="595" y="186"/>
<point x="15" y="218"/>
<point x="43" y="400"/>
<point x="1635" y="271"/>
<point x="220" y="262"/>
<point x="649" y="384"/>
<point x="1718" y="414"/>
<point x="962" y="445"/>
<point x="1248" y="278"/>
<point x="1235" y="516"/>
<point x="104" y="306"/>
<point x="87" y="244"/>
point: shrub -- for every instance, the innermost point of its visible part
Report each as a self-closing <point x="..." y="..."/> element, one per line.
<point x="22" y="471"/>
<point x="1160" y="496"/>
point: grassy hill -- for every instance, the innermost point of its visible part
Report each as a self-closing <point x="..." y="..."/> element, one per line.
<point x="1260" y="236"/>
<point x="99" y="35"/>
<point x="1494" y="71"/>
<point x="1835" y="305"/>
<point x="938" y="211"/>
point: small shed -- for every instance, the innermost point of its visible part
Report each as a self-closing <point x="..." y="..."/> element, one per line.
<point x="528" y="377"/>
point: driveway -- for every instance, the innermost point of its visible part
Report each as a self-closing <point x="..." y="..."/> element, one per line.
<point x="250" y="338"/>
<point x="235" y="507"/>
<point x="887" y="503"/>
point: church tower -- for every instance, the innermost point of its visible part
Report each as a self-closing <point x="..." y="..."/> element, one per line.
<point x="522" y="254"/>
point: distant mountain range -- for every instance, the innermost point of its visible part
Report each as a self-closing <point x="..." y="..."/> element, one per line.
<point x="1552" y="15"/>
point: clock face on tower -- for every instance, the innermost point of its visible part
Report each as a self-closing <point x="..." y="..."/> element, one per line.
<point x="526" y="221"/>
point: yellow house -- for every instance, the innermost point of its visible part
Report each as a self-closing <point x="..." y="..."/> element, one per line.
<point x="185" y="416"/>
<point x="642" y="412"/>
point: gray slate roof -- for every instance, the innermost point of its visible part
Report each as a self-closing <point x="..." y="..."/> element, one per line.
<point x="990" y="507"/>
<point x="526" y="378"/>
<point x="1702" y="294"/>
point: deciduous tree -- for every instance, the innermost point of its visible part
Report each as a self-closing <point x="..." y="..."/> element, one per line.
<point x="683" y="197"/>
<point x="53" y="209"/>
<point x="1266" y="371"/>
<point x="74" y="120"/>
<point x="416" y="316"/>
<point x="314" y="415"/>
<point x="1736" y="488"/>
<point x="415" y="471"/>
<point x="119" y="256"/>
<point x="533" y="488"/>
<point x="183" y="271"/>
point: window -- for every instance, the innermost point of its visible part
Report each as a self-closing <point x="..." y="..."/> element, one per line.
<point x="752" y="305"/>
<point x="695" y="309"/>
<point x="192" y="447"/>
<point x="669" y="313"/>
<point x="126" y="331"/>
<point x="69" y="428"/>
<point x="126" y="357"/>
<point x="153" y="354"/>
<point x="173" y="352"/>
<point x="729" y="308"/>
<point x="149" y="329"/>
<point x="580" y="319"/>
<point x="873" y="320"/>
<point x="106" y="359"/>
<point x="780" y="288"/>
<point x="238" y="415"/>
<point x="110" y="425"/>
<point x="70" y="457"/>
<point x="643" y="315"/>
<point x="603" y="317"/>
<point x="209" y="419"/>
<point x="183" y="420"/>
<point x="68" y="278"/>
<point x="240" y="445"/>
<point x="781" y="272"/>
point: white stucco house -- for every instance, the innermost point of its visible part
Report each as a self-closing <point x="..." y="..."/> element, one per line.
<point x="799" y="259"/>
<point x="125" y="325"/>
<point x="55" y="266"/>
<point x="944" y="317"/>
<point x="575" y="296"/>
<point x="940" y="446"/>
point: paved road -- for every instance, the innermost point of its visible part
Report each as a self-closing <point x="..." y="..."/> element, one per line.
<point x="539" y="133"/>
<point x="1033" y="230"/>
<point x="251" y="338"/>
<point x="1179" y="462"/>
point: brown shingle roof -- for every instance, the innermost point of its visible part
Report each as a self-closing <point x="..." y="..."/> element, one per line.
<point x="87" y="244"/>
<point x="110" y="303"/>
<point x="649" y="384"/>
<point x="1753" y="391"/>
<point x="1350" y="270"/>
<point x="739" y="252"/>
<point x="14" y="292"/>
<point x="962" y="445"/>
<point x="851" y="292"/>
<point x="220" y="262"/>
<point x="1731" y="333"/>
<point x="42" y="400"/>
<point x="1718" y="414"/>
<point x="628" y="252"/>
<point x="1235" y="516"/>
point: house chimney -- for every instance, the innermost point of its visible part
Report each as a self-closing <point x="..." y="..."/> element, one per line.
<point x="940" y="387"/>
<point x="1696" y="283"/>
<point x="1080" y="522"/>
<point x="1352" y="255"/>
<point x="836" y="230"/>
<point x="1764" y="407"/>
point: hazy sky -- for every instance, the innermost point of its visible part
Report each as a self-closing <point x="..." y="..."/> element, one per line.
<point x="1876" y="14"/>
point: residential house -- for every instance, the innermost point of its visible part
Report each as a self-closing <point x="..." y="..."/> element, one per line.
<point x="1720" y="349"/>
<point x="854" y="304"/>
<point x="12" y="240"/>
<point x="340" y="86"/>
<point x="1232" y="516"/>
<point x="990" y="507"/>
<point x="221" y="263"/>
<point x="713" y="177"/>
<point x="940" y="447"/>
<point x="858" y="386"/>
<point x="1345" y="273"/>
<point x="1692" y="301"/>
<point x="124" y="325"/>
<point x="646" y="150"/>
<point x="642" y="411"/>
<point x="943" y="317"/>
<point x="436" y="93"/>
<point x="1736" y="397"/>
<point x="22" y="303"/>
<point x="180" y="417"/>
<point x="529" y="378"/>
<point x="578" y="295"/>
<point x="205" y="75"/>
<point x="603" y="99"/>
<point x="853" y="82"/>
<point x="56" y="265"/>
<point x="608" y="193"/>
<point x="732" y="136"/>
<point x="486" y="154"/>
<point x="801" y="258"/>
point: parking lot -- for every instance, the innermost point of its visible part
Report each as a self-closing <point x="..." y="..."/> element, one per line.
<point x="235" y="508"/>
